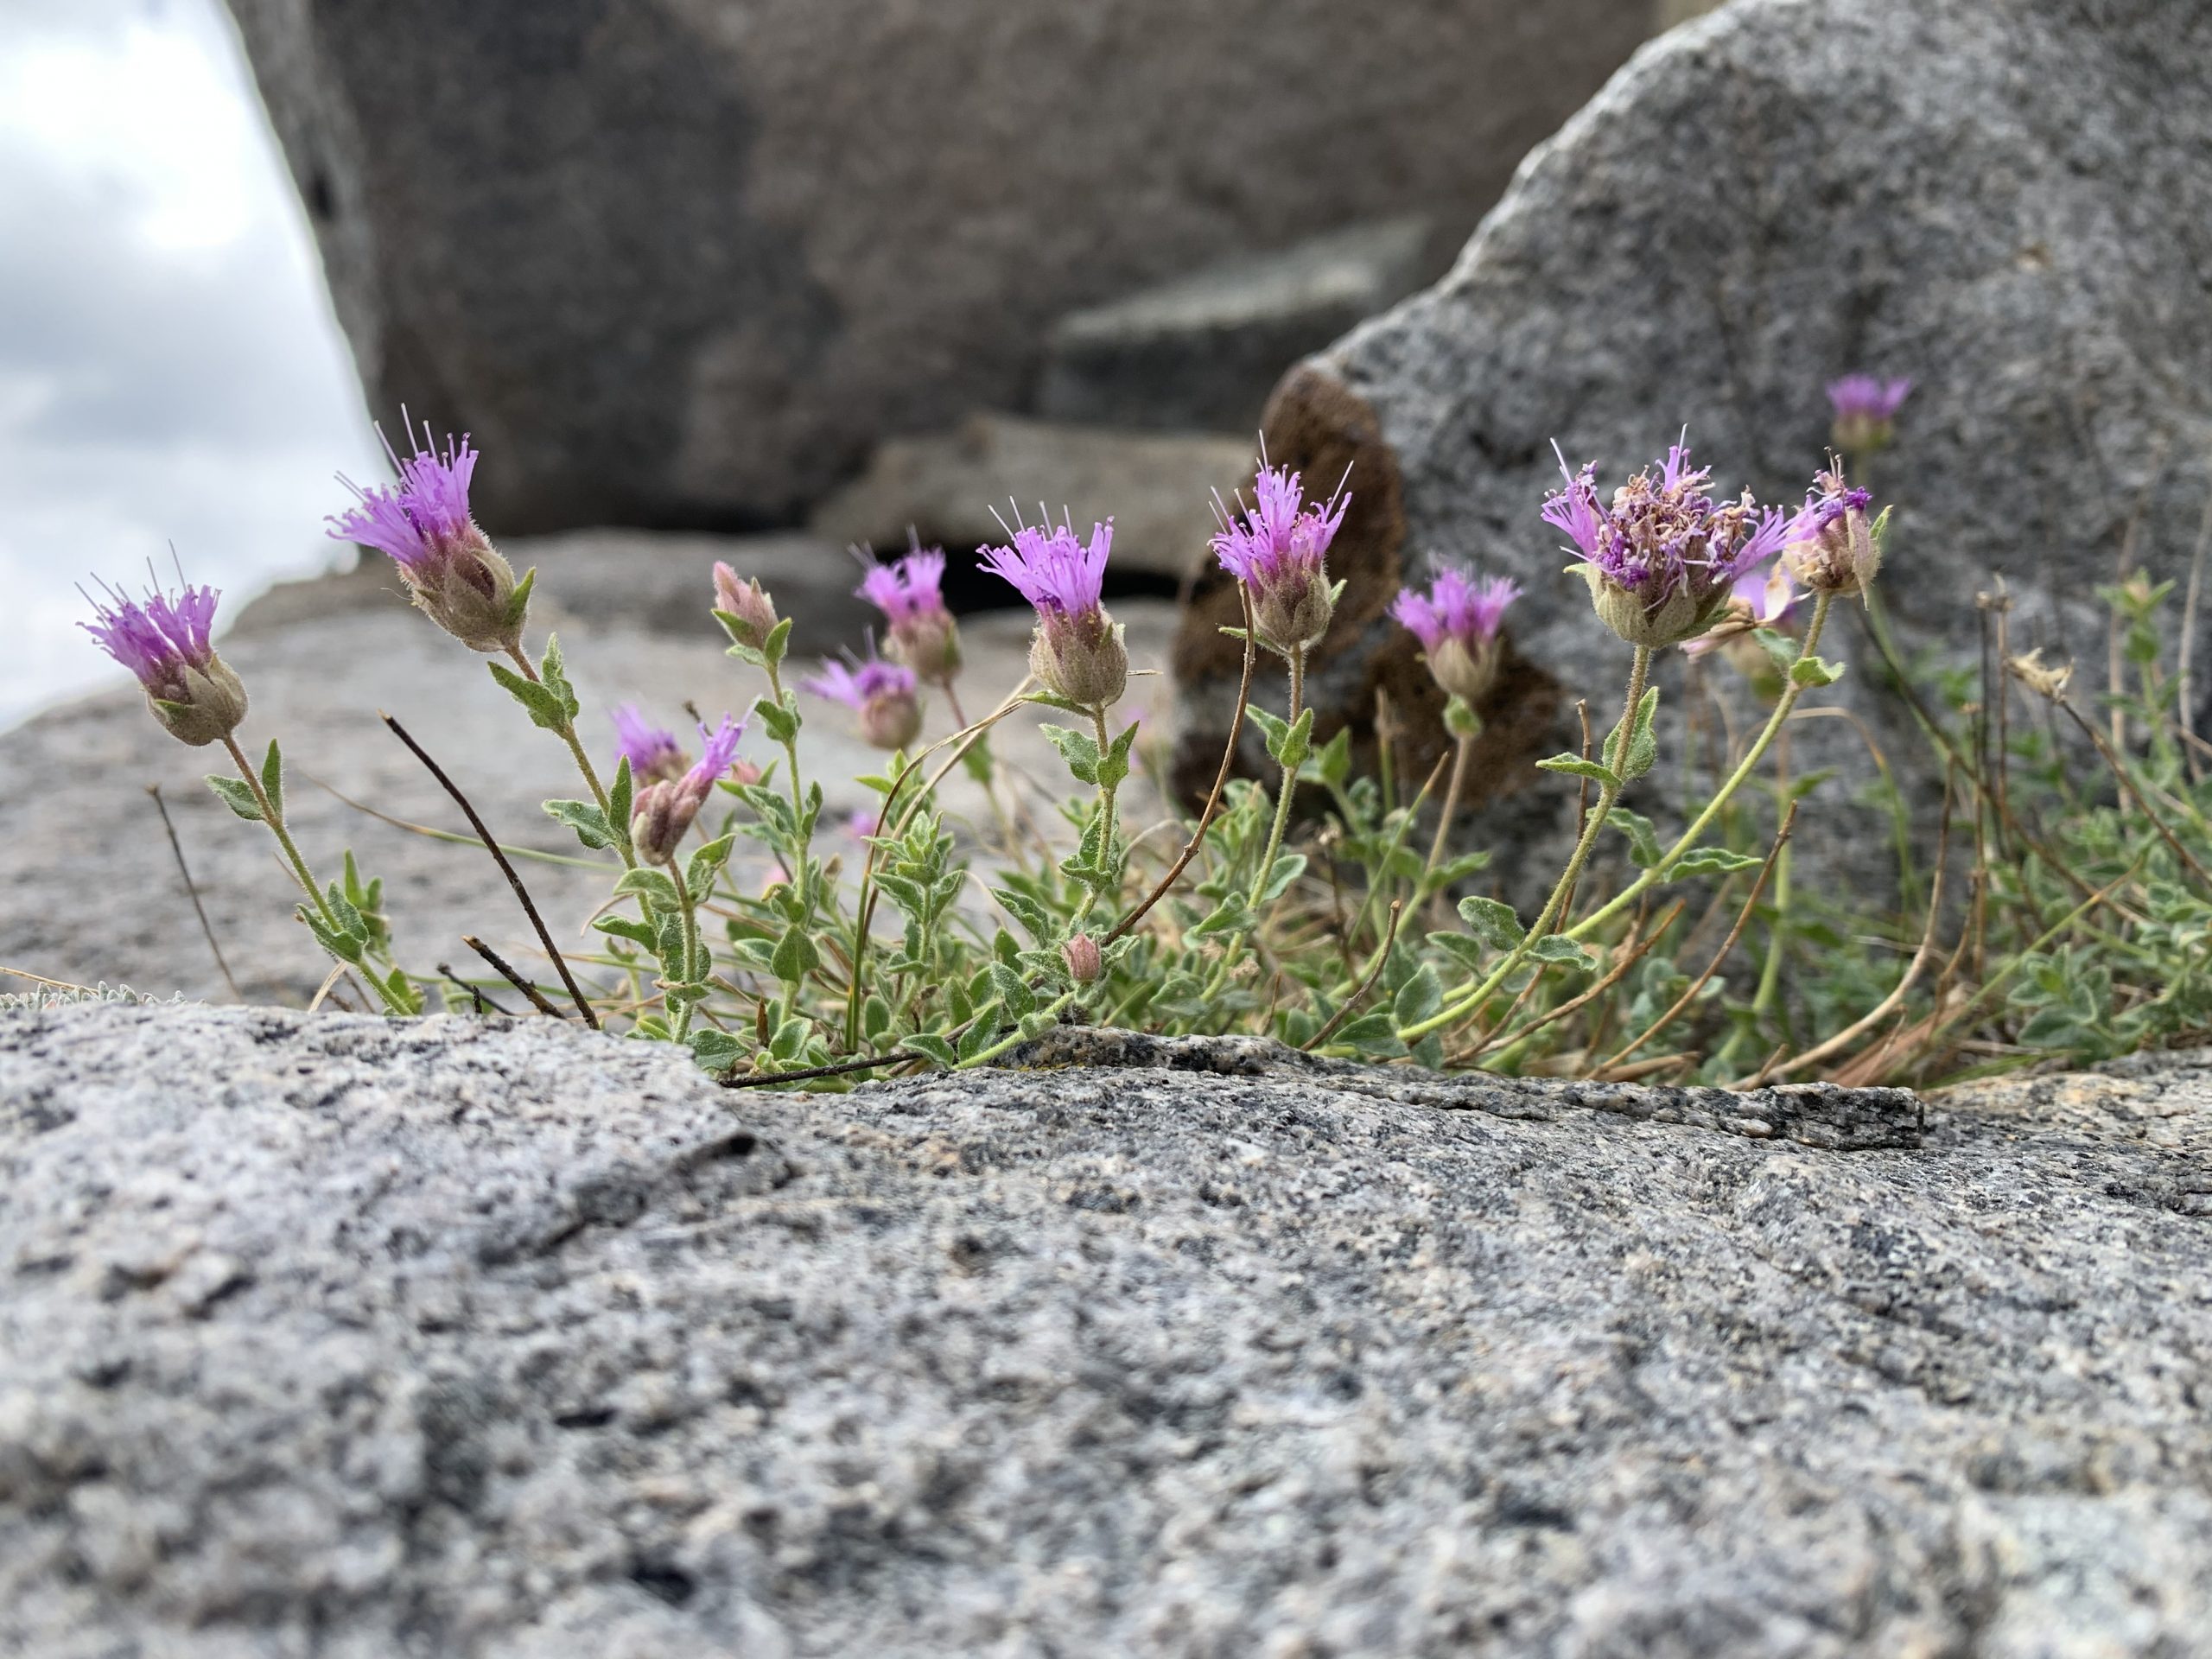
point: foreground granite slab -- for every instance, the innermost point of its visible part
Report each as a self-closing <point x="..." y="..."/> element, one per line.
<point x="323" y="1335"/>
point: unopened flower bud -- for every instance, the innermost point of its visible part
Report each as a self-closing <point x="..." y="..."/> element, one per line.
<point x="661" y="813"/>
<point x="928" y="642"/>
<point x="891" y="719"/>
<point x="881" y="693"/>
<point x="747" y="610"/>
<point x="213" y="707"/>
<point x="1831" y="547"/>
<point x="1086" y="964"/>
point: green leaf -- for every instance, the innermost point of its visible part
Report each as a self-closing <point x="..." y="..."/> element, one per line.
<point x="791" y="1038"/>
<point x="1494" y="922"/>
<point x="1778" y="646"/>
<point x="236" y="795"/>
<point x="796" y="957"/>
<point x="1288" y="742"/>
<point x="781" y="719"/>
<point x="706" y="864"/>
<point x="1418" y="998"/>
<point x="1577" y="766"/>
<point x="626" y="927"/>
<point x="272" y="778"/>
<point x="931" y="1046"/>
<point x="553" y="672"/>
<point x="1468" y="952"/>
<point x="716" y="1051"/>
<point x="1713" y="861"/>
<point x="586" y="819"/>
<point x="1078" y="749"/>
<point x="779" y="641"/>
<point x="1814" y="671"/>
<point x="1017" y="996"/>
<point x="1113" y="765"/>
<point x="620" y="802"/>
<point x="980" y="1034"/>
<point x="875" y="1019"/>
<point x="1332" y="762"/>
<point x="1643" y="744"/>
<point x="1370" y="1033"/>
<point x="1557" y="947"/>
<point x="653" y="885"/>
<point x="1231" y="915"/>
<point x="545" y="709"/>
<point x="1287" y="869"/>
<point x="1642" y="838"/>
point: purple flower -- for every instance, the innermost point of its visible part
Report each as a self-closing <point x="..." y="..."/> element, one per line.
<point x="1759" y="599"/>
<point x="663" y="811"/>
<point x="167" y="643"/>
<point x="919" y="630"/>
<point x="880" y="693"/>
<point x="1076" y="652"/>
<point x="652" y="751"/>
<point x="1662" y="558"/>
<point x="1457" y="622"/>
<point x="1278" y="549"/>
<point x="1830" y="545"/>
<point x="1052" y="569"/>
<point x="1865" y="411"/>
<point x="423" y="522"/>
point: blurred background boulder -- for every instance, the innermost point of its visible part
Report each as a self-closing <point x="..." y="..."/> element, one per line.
<point x="684" y="262"/>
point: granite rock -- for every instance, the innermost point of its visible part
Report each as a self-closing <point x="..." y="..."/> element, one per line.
<point x="2010" y="202"/>
<point x="685" y="262"/>
<point x="1201" y="352"/>
<point x="329" y="1335"/>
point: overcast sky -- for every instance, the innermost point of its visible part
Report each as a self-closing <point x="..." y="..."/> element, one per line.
<point x="170" y="369"/>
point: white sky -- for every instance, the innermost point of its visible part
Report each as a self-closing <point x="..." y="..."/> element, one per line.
<point x="169" y="370"/>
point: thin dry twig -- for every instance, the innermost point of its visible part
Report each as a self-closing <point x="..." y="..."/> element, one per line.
<point x="1220" y="783"/>
<point x="1638" y="946"/>
<point x="193" y="891"/>
<point x="2186" y="691"/>
<point x="1743" y="916"/>
<point x="476" y="993"/>
<point x="763" y="1079"/>
<point x="505" y="970"/>
<point x="529" y="908"/>
<point x="1389" y="938"/>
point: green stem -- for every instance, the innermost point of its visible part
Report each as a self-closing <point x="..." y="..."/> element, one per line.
<point x="1675" y="854"/>
<point x="1770" y="990"/>
<point x="567" y="734"/>
<point x="1639" y="673"/>
<point x="1289" y="784"/>
<point x="693" y="968"/>
<point x="1451" y="806"/>
<point x="1106" y="792"/>
<point x="273" y="816"/>
<point x="1010" y="1043"/>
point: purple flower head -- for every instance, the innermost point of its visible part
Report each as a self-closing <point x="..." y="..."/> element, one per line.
<point x="880" y="693"/>
<point x="919" y="630"/>
<point x="652" y="751"/>
<point x="1279" y="548"/>
<point x="1830" y="544"/>
<point x="419" y="520"/>
<point x="1662" y="557"/>
<point x="1862" y="396"/>
<point x="1865" y="411"/>
<point x="663" y="811"/>
<point x="1457" y="622"/>
<point x="1076" y="652"/>
<point x="164" y="640"/>
<point x="1054" y="570"/>
<point x="717" y="752"/>
<point x="451" y="569"/>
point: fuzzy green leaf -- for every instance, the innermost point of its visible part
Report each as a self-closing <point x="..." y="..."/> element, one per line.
<point x="796" y="957"/>
<point x="653" y="884"/>
<point x="1575" y="765"/>
<point x="1713" y="861"/>
<point x="586" y="819"/>
<point x="931" y="1046"/>
<point x="272" y="778"/>
<point x="236" y="795"/>
<point x="1493" y="922"/>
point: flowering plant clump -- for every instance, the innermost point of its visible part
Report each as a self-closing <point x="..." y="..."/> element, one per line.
<point x="908" y="937"/>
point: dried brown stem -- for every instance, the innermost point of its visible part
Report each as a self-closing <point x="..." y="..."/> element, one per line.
<point x="1389" y="937"/>
<point x="522" y="893"/>
<point x="505" y="970"/>
<point x="1213" y="799"/>
<point x="1743" y="916"/>
<point x="1632" y="952"/>
<point x="763" y="1079"/>
<point x="192" y="891"/>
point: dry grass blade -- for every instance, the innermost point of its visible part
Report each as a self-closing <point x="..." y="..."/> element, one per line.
<point x="1367" y="984"/>
<point x="192" y="891"/>
<point x="1607" y="1071"/>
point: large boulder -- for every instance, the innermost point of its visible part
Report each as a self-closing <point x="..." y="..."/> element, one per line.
<point x="683" y="261"/>
<point x="2010" y="202"/>
<point x="500" y="1340"/>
